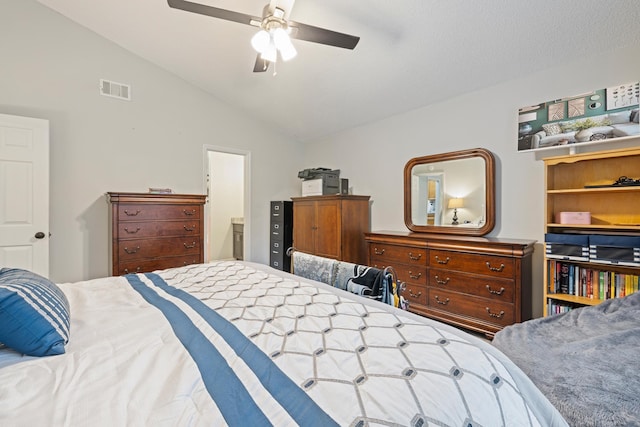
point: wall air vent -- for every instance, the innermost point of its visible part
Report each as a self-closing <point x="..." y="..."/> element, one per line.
<point x="115" y="90"/>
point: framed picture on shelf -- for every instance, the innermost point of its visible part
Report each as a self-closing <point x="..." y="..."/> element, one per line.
<point x="580" y="119"/>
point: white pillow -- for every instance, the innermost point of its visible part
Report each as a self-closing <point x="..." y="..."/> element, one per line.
<point x="619" y="118"/>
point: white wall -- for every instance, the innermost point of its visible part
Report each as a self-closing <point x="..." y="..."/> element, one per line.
<point x="373" y="156"/>
<point x="50" y="69"/>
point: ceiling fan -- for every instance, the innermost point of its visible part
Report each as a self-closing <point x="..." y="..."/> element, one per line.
<point x="276" y="29"/>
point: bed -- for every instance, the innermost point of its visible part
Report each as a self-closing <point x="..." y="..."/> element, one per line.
<point x="239" y="343"/>
<point x="585" y="361"/>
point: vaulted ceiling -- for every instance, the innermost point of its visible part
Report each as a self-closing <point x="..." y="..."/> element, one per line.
<point x="411" y="53"/>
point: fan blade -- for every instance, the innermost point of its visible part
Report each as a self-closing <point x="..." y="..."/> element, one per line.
<point x="214" y="12"/>
<point x="261" y="65"/>
<point x="323" y="36"/>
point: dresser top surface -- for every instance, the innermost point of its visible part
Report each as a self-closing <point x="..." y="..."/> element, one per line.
<point x="125" y="197"/>
<point x="434" y="237"/>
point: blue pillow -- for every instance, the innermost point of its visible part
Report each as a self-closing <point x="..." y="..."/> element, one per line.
<point x="34" y="313"/>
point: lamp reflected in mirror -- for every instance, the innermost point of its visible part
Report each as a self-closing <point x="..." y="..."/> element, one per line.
<point x="455" y="204"/>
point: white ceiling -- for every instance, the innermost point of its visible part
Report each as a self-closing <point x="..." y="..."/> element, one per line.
<point x="411" y="52"/>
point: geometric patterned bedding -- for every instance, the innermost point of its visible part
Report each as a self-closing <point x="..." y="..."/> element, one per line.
<point x="382" y="366"/>
<point x="238" y="343"/>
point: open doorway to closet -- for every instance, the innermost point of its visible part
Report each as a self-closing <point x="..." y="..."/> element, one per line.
<point x="227" y="181"/>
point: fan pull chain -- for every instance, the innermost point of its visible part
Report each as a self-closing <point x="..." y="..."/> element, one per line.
<point x="274" y="68"/>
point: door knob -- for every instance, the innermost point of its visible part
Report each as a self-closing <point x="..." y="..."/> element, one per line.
<point x="39" y="235"/>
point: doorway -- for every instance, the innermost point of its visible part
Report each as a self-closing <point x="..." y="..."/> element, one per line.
<point x="227" y="184"/>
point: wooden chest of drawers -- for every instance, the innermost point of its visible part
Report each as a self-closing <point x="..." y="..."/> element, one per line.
<point x="479" y="283"/>
<point x="155" y="231"/>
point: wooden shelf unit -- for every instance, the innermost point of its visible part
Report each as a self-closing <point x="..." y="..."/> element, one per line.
<point x="614" y="210"/>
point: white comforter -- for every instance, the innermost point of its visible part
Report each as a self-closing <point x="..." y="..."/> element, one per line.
<point x="325" y="356"/>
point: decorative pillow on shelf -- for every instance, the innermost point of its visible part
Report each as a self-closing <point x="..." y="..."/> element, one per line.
<point x="552" y="128"/>
<point x="34" y="313"/>
<point x="619" y="118"/>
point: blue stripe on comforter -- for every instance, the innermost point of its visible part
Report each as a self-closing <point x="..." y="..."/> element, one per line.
<point x="230" y="395"/>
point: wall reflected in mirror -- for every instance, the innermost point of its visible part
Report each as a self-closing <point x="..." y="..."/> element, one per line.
<point x="435" y="185"/>
<point x="450" y="193"/>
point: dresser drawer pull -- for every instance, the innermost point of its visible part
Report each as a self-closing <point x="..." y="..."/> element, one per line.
<point x="415" y="295"/>
<point x="191" y="246"/>
<point x="377" y="252"/>
<point x="440" y="261"/>
<point x="131" y="232"/>
<point x="498" y="269"/>
<point x="131" y="251"/>
<point x="414" y="257"/>
<point x="189" y="213"/>
<point x="491" y="291"/>
<point x="126" y="270"/>
<point x="415" y="276"/>
<point x="127" y="213"/>
<point x="497" y="316"/>
<point x="445" y="302"/>
<point x="186" y="228"/>
<point x="440" y="281"/>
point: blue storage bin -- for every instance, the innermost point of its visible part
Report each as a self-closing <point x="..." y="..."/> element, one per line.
<point x="612" y="249"/>
<point x="573" y="247"/>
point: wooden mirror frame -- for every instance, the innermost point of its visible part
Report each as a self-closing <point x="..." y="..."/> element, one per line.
<point x="489" y="193"/>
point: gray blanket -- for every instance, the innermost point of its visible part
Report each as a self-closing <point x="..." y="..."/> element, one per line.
<point x="585" y="361"/>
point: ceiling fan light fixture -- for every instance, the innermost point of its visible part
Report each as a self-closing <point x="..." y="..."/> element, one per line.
<point x="283" y="44"/>
<point x="260" y="41"/>
<point x="270" y="53"/>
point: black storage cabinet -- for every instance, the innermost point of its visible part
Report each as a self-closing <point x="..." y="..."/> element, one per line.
<point x="281" y="234"/>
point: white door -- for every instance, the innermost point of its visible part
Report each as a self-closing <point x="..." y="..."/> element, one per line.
<point x="24" y="193"/>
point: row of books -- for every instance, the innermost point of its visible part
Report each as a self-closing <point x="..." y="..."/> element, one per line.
<point x="588" y="282"/>
<point x="554" y="307"/>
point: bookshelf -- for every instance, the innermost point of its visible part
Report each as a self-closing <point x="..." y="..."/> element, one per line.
<point x="581" y="183"/>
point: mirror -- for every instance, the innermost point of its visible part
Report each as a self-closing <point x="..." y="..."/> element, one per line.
<point x="450" y="193"/>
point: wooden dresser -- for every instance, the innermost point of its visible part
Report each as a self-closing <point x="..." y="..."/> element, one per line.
<point x="155" y="231"/>
<point x="332" y="226"/>
<point x="479" y="283"/>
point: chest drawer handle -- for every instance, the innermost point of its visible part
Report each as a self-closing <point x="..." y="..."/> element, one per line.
<point x="191" y="246"/>
<point x="497" y="316"/>
<point x="445" y="302"/>
<point x="187" y="228"/>
<point x="127" y="213"/>
<point x="498" y="269"/>
<point x="126" y="270"/>
<point x="131" y="232"/>
<point x="377" y="252"/>
<point x="415" y="276"/>
<point x="189" y="213"/>
<point x="414" y="257"/>
<point x="415" y="295"/>
<point x="132" y="251"/>
<point x="491" y="291"/>
<point x="440" y="281"/>
<point x="446" y="261"/>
